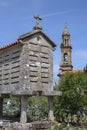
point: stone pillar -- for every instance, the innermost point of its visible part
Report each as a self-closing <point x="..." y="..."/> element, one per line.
<point x="50" y="103"/>
<point x="23" y="118"/>
<point x="1" y="107"/>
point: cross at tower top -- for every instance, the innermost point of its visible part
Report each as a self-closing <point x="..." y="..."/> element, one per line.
<point x="38" y="18"/>
<point x="65" y="31"/>
<point x="66" y="24"/>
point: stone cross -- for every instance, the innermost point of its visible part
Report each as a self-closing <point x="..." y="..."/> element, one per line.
<point x="66" y="24"/>
<point x="37" y="17"/>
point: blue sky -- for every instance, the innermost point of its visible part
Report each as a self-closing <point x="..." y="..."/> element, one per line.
<point x="16" y="18"/>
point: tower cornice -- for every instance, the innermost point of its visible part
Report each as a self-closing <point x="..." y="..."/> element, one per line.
<point x="67" y="46"/>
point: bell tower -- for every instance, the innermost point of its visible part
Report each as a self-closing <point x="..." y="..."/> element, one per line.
<point x="66" y="52"/>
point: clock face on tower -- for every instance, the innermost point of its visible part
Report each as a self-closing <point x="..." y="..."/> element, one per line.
<point x="66" y="57"/>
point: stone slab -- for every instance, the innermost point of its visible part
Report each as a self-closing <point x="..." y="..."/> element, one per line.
<point x="51" y="93"/>
<point x="38" y="125"/>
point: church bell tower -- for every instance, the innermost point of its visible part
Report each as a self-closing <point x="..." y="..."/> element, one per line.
<point x="66" y="52"/>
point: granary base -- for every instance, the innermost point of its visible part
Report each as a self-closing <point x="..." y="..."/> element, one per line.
<point x="38" y="125"/>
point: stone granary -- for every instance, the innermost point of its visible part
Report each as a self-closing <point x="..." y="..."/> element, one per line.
<point x="26" y="69"/>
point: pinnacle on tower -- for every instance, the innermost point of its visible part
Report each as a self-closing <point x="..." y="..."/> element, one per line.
<point x="65" y="31"/>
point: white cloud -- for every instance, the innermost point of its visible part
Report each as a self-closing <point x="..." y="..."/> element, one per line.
<point x="56" y="13"/>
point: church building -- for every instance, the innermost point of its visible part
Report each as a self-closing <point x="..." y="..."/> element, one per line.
<point x="66" y="54"/>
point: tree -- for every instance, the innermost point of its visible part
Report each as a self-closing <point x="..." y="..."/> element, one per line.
<point x="11" y="106"/>
<point x="73" y="100"/>
<point x="37" y="108"/>
<point x="85" y="69"/>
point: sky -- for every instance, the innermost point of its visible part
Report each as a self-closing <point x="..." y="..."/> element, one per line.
<point x="16" y="18"/>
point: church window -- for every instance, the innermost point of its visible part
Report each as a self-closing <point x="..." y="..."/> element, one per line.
<point x="66" y="57"/>
<point x="65" y="41"/>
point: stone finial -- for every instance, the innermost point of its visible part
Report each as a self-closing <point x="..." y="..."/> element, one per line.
<point x="38" y="26"/>
<point x="37" y="17"/>
<point x="65" y="31"/>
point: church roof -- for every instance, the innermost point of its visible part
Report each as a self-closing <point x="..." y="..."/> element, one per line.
<point x="72" y="71"/>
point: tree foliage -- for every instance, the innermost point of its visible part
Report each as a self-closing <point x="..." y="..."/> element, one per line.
<point x="11" y="106"/>
<point x="37" y="107"/>
<point x="73" y="100"/>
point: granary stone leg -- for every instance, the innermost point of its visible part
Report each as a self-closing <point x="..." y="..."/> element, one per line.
<point x="50" y="102"/>
<point x="1" y="107"/>
<point x="23" y="118"/>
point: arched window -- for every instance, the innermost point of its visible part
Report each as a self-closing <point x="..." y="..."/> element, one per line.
<point x="65" y="41"/>
<point x="66" y="57"/>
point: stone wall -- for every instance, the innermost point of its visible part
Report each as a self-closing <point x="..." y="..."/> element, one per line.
<point x="38" y="125"/>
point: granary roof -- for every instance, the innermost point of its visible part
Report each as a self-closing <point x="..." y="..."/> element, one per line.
<point x="19" y="40"/>
<point x="37" y="29"/>
<point x="11" y="44"/>
<point x="35" y="32"/>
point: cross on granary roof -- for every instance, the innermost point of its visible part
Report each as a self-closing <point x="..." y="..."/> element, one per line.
<point x="38" y="18"/>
